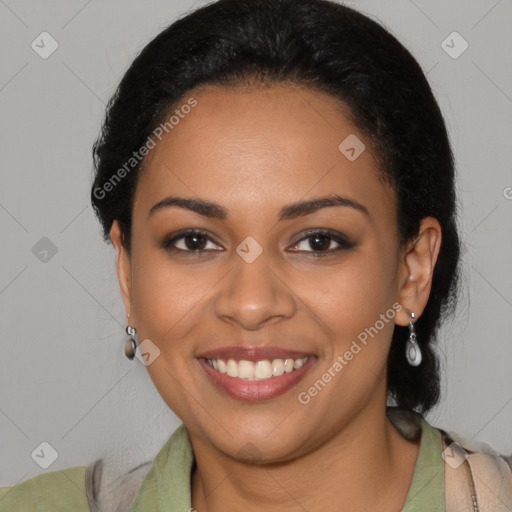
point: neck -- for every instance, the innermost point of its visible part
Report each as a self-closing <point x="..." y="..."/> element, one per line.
<point x="367" y="465"/>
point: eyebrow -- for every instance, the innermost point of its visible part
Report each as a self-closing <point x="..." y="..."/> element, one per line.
<point x="287" y="212"/>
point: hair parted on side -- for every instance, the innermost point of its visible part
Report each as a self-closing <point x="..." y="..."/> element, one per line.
<point x="328" y="47"/>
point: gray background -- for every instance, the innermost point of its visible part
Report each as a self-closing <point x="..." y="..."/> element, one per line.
<point x="64" y="379"/>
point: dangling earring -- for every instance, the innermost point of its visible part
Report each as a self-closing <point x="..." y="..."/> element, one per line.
<point x="130" y="345"/>
<point x="412" y="349"/>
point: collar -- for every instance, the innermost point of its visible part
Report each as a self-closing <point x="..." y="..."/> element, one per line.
<point x="166" y="486"/>
<point x="426" y="492"/>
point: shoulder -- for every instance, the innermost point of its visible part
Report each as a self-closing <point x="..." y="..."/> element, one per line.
<point x="77" y="489"/>
<point x="53" y="491"/>
<point x="98" y="487"/>
<point x="475" y="473"/>
<point x="476" y="477"/>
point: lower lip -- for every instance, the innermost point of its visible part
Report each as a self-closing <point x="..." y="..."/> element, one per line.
<point x="252" y="390"/>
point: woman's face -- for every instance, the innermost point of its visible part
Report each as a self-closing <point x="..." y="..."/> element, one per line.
<point x="259" y="282"/>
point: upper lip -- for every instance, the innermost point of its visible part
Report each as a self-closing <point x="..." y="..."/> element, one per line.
<point x="253" y="353"/>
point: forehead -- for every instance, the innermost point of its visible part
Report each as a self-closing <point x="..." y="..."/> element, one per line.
<point x="269" y="145"/>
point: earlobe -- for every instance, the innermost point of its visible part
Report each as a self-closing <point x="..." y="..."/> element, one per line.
<point x="123" y="266"/>
<point x="419" y="260"/>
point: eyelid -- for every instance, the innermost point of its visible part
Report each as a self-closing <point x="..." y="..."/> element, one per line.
<point x="172" y="239"/>
<point x="340" y="238"/>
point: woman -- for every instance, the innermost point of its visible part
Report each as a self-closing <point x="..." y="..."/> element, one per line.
<point x="277" y="181"/>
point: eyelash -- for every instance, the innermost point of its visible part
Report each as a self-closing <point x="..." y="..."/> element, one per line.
<point x="339" y="238"/>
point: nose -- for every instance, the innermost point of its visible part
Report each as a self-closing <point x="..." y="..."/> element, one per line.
<point x="254" y="295"/>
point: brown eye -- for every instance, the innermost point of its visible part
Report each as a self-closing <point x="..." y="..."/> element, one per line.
<point x="194" y="242"/>
<point x="189" y="241"/>
<point x="322" y="242"/>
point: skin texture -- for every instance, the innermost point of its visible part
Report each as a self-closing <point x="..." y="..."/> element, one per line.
<point x="253" y="150"/>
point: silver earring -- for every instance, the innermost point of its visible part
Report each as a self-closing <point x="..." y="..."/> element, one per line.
<point x="130" y="345"/>
<point x="412" y="349"/>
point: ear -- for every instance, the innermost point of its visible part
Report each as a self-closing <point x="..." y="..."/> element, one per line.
<point x="417" y="268"/>
<point x="123" y="267"/>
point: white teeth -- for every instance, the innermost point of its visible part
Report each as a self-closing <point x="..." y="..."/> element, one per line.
<point x="246" y="369"/>
<point x="296" y="364"/>
<point x="263" y="370"/>
<point x="232" y="368"/>
<point x="277" y="367"/>
<point x="259" y="370"/>
<point x="222" y="365"/>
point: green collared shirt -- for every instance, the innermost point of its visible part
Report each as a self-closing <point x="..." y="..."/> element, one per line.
<point x="166" y="486"/>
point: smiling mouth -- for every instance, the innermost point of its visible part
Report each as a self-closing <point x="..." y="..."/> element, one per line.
<point x="264" y="369"/>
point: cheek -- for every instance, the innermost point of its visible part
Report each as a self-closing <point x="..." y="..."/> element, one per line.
<point x="165" y="295"/>
<point x="166" y="298"/>
<point x="351" y="296"/>
<point x="357" y="305"/>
